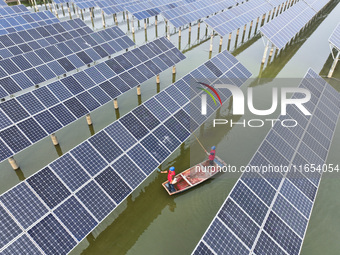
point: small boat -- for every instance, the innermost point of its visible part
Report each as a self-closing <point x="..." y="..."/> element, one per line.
<point x="194" y="176"/>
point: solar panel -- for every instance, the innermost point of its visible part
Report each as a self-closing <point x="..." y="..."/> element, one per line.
<point x="194" y="11"/>
<point x="116" y="172"/>
<point x="52" y="62"/>
<point x="276" y="216"/>
<point x="290" y="23"/>
<point x="54" y="107"/>
<point x="317" y="5"/>
<point x="19" y="22"/>
<point x="232" y="19"/>
<point x="334" y="39"/>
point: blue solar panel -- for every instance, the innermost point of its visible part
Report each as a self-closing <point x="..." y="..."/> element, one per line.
<point x="335" y="37"/>
<point x="222" y="241"/>
<point x="51" y="236"/>
<point x="113" y="184"/>
<point x="95" y="200"/>
<point x="75" y="217"/>
<point x="9" y="229"/>
<point x="14" y="110"/>
<point x="14" y="139"/>
<point x="105" y="146"/>
<point x="143" y="159"/>
<point x="128" y="171"/>
<point x="48" y="187"/>
<point x="23" y="204"/>
<point x="32" y="130"/>
<point x="70" y="172"/>
<point x="23" y="245"/>
<point x="132" y="124"/>
<point x="120" y="135"/>
<point x="155" y="148"/>
<point x="290" y="209"/>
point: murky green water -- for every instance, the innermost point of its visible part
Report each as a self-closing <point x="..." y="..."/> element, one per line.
<point x="149" y="221"/>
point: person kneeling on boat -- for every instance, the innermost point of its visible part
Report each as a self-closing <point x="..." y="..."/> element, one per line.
<point x="171" y="175"/>
<point x="212" y="156"/>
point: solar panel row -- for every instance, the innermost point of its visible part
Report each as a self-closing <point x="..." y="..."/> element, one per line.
<point x="268" y="212"/>
<point x="7" y="11"/>
<point x="22" y="22"/>
<point x="17" y="43"/>
<point x="334" y="39"/>
<point x="231" y="19"/>
<point x="191" y="12"/>
<point x="29" y="69"/>
<point x="83" y="186"/>
<point x="317" y="5"/>
<point x="284" y="27"/>
<point x="32" y="116"/>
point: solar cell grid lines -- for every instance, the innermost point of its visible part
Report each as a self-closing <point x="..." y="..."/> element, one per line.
<point x="284" y="27"/>
<point x="280" y="210"/>
<point x="58" y="57"/>
<point x="50" y="108"/>
<point x="334" y="39"/>
<point x="6" y="11"/>
<point x="25" y="21"/>
<point x="232" y="19"/>
<point x="17" y="43"/>
<point x="194" y="11"/>
<point x="111" y="183"/>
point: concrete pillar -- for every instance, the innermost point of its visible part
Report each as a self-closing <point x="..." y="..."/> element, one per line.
<point x="49" y="5"/>
<point x="123" y="15"/>
<point x="270" y="12"/>
<point x="69" y="10"/>
<point x="77" y="11"/>
<point x="115" y="19"/>
<point x="206" y="30"/>
<point x="198" y="30"/>
<point x="335" y="62"/>
<point x="229" y="41"/>
<point x="55" y="10"/>
<point x="174" y="70"/>
<point x="278" y="10"/>
<point x="54" y="139"/>
<point x="62" y="8"/>
<point x="103" y="19"/>
<point x="36" y="6"/>
<point x="250" y="28"/>
<point x="257" y="23"/>
<point x="168" y="31"/>
<point x="157" y="79"/>
<point x="237" y="34"/>
<point x="263" y="19"/>
<point x="244" y="31"/>
<point x="13" y="163"/>
<point x="138" y="91"/>
<point x="74" y="9"/>
<point x="82" y="14"/>
<point x="133" y="28"/>
<point x="43" y="1"/>
<point x="211" y="43"/>
<point x="221" y="42"/>
<point x="88" y="119"/>
<point x="127" y="20"/>
<point x="91" y="14"/>
<point x="189" y="38"/>
<point x="115" y="103"/>
<point x="265" y="53"/>
<point x="144" y="24"/>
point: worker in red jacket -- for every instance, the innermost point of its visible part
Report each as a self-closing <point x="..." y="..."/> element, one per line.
<point x="212" y="155"/>
<point x="171" y="175"/>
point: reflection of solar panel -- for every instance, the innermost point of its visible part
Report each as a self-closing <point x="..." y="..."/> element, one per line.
<point x="191" y="12"/>
<point x="34" y="115"/>
<point x="317" y="5"/>
<point x="107" y="181"/>
<point x="23" y="71"/>
<point x="17" y="43"/>
<point x="334" y="39"/>
<point x="267" y="212"/>
<point x="231" y="19"/>
<point x="7" y="11"/>
<point x="21" y="22"/>
<point x="284" y="27"/>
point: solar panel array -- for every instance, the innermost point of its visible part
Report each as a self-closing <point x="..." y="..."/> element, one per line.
<point x="67" y="199"/>
<point x="7" y="11"/>
<point x="83" y="4"/>
<point x="268" y="213"/>
<point x="191" y="12"/>
<point x="32" y="68"/>
<point x="3" y="3"/>
<point x="231" y="19"/>
<point x="284" y="27"/>
<point x="143" y="10"/>
<point x="25" y="21"/>
<point x="17" y="43"/>
<point x="30" y="117"/>
<point x="334" y="39"/>
<point x="317" y="5"/>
